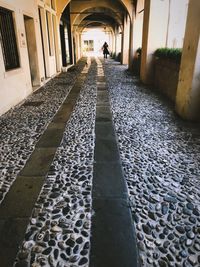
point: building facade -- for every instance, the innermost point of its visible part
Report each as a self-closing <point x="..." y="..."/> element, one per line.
<point x="29" y="51"/>
<point x="40" y="38"/>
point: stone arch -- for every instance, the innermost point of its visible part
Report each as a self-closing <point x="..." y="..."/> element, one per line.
<point x="86" y="6"/>
<point x="61" y="5"/>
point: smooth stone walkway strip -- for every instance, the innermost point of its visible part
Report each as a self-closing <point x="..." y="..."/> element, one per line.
<point x="17" y="206"/>
<point x="58" y="233"/>
<point x="113" y="242"/>
<point x="21" y="127"/>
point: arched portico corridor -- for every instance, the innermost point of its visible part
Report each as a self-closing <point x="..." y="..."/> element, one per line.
<point x="98" y="170"/>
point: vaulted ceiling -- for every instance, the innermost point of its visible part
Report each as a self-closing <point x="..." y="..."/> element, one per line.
<point x="90" y="13"/>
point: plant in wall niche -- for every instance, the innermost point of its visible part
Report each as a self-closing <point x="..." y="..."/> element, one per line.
<point x="113" y="55"/>
<point x="173" y="54"/>
<point x="137" y="61"/>
<point x="139" y="52"/>
<point x="119" y="57"/>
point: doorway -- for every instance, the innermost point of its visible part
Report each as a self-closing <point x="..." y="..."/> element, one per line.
<point x="66" y="38"/>
<point x="65" y="47"/>
<point x="42" y="38"/>
<point x="56" y="45"/>
<point x="32" y="50"/>
<point x="74" y="44"/>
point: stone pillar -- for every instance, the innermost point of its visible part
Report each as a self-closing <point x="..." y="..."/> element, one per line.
<point x="154" y="35"/>
<point x="73" y="37"/>
<point x="118" y="41"/>
<point x="188" y="92"/>
<point x="110" y="41"/>
<point x="115" y="51"/>
<point x="77" y="46"/>
<point x="73" y="45"/>
<point x="138" y="26"/>
<point x="56" y="23"/>
<point x="80" y="45"/>
<point x="137" y="35"/>
<point x="125" y="40"/>
<point x="131" y="54"/>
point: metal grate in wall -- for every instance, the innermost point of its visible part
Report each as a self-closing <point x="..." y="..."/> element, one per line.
<point x="33" y="103"/>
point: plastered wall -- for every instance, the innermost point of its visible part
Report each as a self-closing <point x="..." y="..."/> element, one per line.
<point x="16" y="84"/>
<point x="176" y="23"/>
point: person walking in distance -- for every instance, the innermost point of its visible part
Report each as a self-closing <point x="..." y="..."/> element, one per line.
<point x="105" y="50"/>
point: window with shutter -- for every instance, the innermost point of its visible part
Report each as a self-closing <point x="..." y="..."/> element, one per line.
<point x="8" y="40"/>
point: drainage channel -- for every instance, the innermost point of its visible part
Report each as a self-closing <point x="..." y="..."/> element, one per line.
<point x="113" y="242"/>
<point x="18" y="204"/>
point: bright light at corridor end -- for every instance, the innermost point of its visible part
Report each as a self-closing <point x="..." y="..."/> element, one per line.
<point x="93" y="40"/>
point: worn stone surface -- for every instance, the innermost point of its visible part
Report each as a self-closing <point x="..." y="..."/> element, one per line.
<point x="160" y="154"/>
<point x="21" y="127"/>
<point x="112" y="234"/>
<point x="21" y="198"/>
<point x="59" y="230"/>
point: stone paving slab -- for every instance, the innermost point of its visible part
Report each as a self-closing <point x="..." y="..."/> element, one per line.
<point x="52" y="137"/>
<point x="101" y="88"/>
<point x="108" y="182"/>
<point x="104" y="130"/>
<point x="112" y="243"/>
<point x="63" y="114"/>
<point x="39" y="162"/>
<point x="11" y="229"/>
<point x="56" y="125"/>
<point x="103" y="114"/>
<point x="106" y="151"/>
<point x="21" y="198"/>
<point x="112" y="234"/>
<point x="71" y="99"/>
<point x="100" y="81"/>
<point x="103" y="99"/>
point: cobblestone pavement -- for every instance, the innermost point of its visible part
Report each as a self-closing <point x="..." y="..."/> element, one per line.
<point x="59" y="231"/>
<point x="160" y="154"/>
<point x="21" y="127"/>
